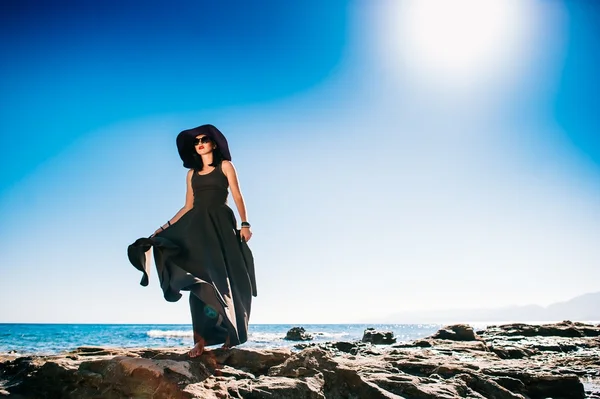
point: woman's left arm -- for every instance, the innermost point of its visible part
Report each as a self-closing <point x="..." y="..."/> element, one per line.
<point x="236" y="193"/>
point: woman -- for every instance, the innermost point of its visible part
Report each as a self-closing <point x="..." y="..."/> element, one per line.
<point x="200" y="249"/>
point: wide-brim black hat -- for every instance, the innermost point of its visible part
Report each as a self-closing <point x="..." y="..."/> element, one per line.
<point x="185" y="143"/>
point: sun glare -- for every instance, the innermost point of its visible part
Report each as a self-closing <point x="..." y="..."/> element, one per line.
<point x="459" y="41"/>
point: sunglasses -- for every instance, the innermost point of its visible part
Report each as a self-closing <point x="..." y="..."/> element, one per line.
<point x="202" y="140"/>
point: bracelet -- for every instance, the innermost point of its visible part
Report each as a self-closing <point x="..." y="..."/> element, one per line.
<point x="169" y="223"/>
<point x="162" y="228"/>
<point x="245" y="224"/>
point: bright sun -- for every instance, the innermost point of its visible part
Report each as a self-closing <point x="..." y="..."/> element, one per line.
<point x="457" y="40"/>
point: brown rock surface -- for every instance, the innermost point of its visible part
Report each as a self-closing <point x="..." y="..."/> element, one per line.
<point x="511" y="361"/>
<point x="457" y="332"/>
<point x="378" y="337"/>
<point x="298" y="334"/>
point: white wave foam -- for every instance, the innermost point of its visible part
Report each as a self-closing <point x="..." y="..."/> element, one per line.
<point x="331" y="335"/>
<point x="170" y="333"/>
<point x="265" y="337"/>
<point x="253" y="336"/>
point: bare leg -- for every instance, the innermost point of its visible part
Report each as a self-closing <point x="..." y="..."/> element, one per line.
<point x="196" y="306"/>
<point x="227" y="343"/>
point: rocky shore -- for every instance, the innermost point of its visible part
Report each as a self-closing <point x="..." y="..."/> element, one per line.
<point x="502" y="362"/>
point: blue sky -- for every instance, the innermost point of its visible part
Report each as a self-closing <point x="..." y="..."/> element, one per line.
<point x="391" y="160"/>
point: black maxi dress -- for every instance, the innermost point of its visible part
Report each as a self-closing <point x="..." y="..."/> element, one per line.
<point x="203" y="253"/>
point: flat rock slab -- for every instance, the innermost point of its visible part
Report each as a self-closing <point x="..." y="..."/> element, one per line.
<point x="515" y="361"/>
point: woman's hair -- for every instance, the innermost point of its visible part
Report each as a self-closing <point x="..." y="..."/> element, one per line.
<point x="217" y="158"/>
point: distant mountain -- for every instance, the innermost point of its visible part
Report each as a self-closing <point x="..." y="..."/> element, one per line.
<point x="582" y="308"/>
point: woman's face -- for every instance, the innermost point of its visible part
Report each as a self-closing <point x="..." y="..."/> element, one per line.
<point x="203" y="144"/>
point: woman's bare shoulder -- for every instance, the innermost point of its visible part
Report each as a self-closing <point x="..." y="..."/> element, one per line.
<point x="227" y="165"/>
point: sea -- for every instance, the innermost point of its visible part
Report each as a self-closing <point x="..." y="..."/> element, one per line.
<point x="48" y="339"/>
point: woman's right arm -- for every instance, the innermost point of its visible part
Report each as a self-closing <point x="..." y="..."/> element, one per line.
<point x="189" y="203"/>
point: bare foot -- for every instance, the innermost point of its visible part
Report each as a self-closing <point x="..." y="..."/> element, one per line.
<point x="198" y="349"/>
<point x="227" y="344"/>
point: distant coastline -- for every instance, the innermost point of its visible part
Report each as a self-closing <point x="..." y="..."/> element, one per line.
<point x="583" y="308"/>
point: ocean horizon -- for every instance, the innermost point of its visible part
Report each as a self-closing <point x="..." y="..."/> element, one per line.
<point x="56" y="338"/>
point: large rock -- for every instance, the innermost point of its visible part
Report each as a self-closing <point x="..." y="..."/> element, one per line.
<point x="378" y="337"/>
<point x="298" y="334"/>
<point x="456" y="332"/>
<point x="255" y="361"/>
<point x="499" y="364"/>
<point x="565" y="328"/>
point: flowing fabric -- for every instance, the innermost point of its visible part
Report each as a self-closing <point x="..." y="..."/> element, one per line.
<point x="204" y="253"/>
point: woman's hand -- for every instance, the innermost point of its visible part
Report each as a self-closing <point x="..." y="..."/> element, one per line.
<point x="245" y="233"/>
<point x="161" y="228"/>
